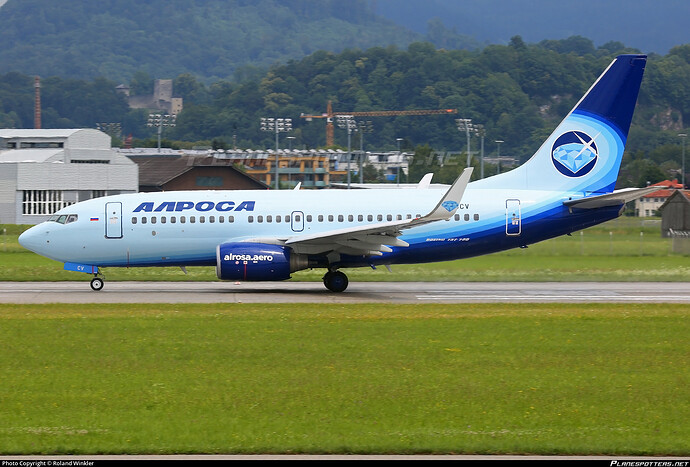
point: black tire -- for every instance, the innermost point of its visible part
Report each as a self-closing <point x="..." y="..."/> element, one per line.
<point x="97" y="283"/>
<point x="335" y="281"/>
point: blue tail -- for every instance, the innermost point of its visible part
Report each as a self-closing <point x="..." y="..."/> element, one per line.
<point x="584" y="152"/>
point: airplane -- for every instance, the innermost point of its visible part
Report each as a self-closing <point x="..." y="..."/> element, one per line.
<point x="251" y="235"/>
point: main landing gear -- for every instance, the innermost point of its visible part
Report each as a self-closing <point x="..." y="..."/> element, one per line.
<point x="335" y="281"/>
<point x="97" y="283"/>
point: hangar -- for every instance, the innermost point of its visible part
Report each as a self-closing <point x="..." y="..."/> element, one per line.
<point x="44" y="170"/>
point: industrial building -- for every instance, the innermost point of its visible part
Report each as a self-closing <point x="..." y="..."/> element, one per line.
<point x="44" y="170"/>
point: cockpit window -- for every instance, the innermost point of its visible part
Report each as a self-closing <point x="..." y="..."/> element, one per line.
<point x="63" y="219"/>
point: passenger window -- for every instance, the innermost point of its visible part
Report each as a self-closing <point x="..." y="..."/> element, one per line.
<point x="370" y="218"/>
<point x="259" y="219"/>
<point x="340" y="218"/>
<point x="277" y="219"/>
<point x="192" y="219"/>
<point x="466" y="217"/>
<point x="250" y="219"/>
<point x="457" y="217"/>
<point x="269" y="218"/>
<point x="389" y="217"/>
<point x="350" y="218"/>
<point x="330" y="218"/>
<point x="476" y="217"/>
<point x="173" y="219"/>
<point x="202" y="219"/>
<point x="143" y="220"/>
<point x="360" y="218"/>
<point x="308" y="217"/>
<point x="379" y="217"/>
<point x="231" y="218"/>
<point x="162" y="219"/>
<point x="221" y="219"/>
<point x="134" y="220"/>
<point x="287" y="219"/>
<point x="399" y="217"/>
<point x="183" y="219"/>
<point x="212" y="219"/>
<point x="297" y="218"/>
<point x="320" y="218"/>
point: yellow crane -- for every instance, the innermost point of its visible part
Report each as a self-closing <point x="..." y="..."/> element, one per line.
<point x="330" y="115"/>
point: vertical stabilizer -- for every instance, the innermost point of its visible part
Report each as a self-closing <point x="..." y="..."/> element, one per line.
<point x="584" y="153"/>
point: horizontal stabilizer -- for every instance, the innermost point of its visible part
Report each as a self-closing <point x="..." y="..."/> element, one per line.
<point x="616" y="198"/>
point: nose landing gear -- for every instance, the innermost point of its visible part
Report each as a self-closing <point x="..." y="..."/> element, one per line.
<point x="97" y="283"/>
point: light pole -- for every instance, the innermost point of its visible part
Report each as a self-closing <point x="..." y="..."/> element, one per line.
<point x="399" y="160"/>
<point x="465" y="124"/>
<point x="289" y="138"/>
<point x="682" y="176"/>
<point x="363" y="127"/>
<point x="159" y="121"/>
<point x="348" y="123"/>
<point x="276" y="125"/>
<point x="498" y="157"/>
<point x="481" y="132"/>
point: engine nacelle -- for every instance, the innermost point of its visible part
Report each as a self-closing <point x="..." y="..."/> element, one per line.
<point x="256" y="262"/>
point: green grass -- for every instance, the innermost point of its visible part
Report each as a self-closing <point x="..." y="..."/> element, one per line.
<point x="241" y="378"/>
<point x="626" y="249"/>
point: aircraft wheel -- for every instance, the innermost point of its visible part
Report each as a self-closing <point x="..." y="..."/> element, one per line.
<point x="97" y="283"/>
<point x="335" y="281"/>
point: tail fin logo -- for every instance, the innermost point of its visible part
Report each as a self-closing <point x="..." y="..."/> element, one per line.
<point x="574" y="154"/>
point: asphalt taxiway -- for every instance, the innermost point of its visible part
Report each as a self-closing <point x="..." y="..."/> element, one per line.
<point x="362" y="292"/>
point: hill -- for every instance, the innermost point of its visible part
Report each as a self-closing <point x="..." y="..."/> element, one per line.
<point x="213" y="39"/>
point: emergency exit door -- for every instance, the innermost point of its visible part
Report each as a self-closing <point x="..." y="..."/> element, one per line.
<point x="113" y="220"/>
<point x="513" y="218"/>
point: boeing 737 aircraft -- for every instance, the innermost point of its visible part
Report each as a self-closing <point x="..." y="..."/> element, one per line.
<point x="567" y="185"/>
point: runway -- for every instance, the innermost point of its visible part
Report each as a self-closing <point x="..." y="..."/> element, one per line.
<point x="362" y="292"/>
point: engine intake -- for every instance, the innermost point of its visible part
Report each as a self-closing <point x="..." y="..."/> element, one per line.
<point x="257" y="262"/>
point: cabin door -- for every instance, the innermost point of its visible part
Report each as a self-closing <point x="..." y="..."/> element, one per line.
<point x="513" y="219"/>
<point x="113" y="220"/>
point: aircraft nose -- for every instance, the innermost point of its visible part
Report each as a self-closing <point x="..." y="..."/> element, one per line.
<point x="33" y="239"/>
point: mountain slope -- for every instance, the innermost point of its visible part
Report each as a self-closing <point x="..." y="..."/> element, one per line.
<point x="210" y="38"/>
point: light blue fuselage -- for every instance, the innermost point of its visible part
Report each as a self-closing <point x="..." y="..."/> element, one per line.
<point x="488" y="220"/>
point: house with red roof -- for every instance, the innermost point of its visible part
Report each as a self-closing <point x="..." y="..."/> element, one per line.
<point x="648" y="205"/>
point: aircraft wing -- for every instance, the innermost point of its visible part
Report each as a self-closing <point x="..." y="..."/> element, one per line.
<point x="612" y="199"/>
<point x="375" y="239"/>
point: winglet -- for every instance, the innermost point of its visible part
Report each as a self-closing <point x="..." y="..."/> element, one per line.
<point x="425" y="181"/>
<point x="451" y="201"/>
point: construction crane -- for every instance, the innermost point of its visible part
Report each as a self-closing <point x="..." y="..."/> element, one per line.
<point x="330" y="115"/>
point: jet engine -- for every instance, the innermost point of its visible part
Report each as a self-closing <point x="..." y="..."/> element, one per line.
<point x="257" y="261"/>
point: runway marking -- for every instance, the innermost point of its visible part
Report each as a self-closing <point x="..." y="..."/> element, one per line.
<point x="531" y="298"/>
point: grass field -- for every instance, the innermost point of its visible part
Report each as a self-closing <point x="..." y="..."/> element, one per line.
<point x="240" y="378"/>
<point x="626" y="249"/>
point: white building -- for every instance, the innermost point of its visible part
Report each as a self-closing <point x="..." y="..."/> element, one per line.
<point x="42" y="171"/>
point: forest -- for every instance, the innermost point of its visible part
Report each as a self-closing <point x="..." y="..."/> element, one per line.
<point x="517" y="92"/>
